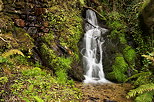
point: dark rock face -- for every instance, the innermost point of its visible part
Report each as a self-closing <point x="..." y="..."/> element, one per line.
<point x="147" y="17"/>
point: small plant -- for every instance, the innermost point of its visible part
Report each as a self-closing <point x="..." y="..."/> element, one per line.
<point x="144" y="93"/>
<point x="12" y="52"/>
<point x="37" y="85"/>
<point x="3" y="80"/>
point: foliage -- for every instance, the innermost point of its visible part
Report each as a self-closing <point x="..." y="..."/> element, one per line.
<point x="141" y="78"/>
<point x="145" y="80"/>
<point x="3" y="80"/>
<point x="129" y="54"/>
<point x="82" y="2"/>
<point x="120" y="68"/>
<point x="145" y="93"/>
<point x="117" y="25"/>
<point x="12" y="52"/>
<point x="37" y="85"/>
<point x="68" y="27"/>
<point x="150" y="57"/>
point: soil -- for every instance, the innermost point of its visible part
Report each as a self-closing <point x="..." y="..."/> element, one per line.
<point x="105" y="92"/>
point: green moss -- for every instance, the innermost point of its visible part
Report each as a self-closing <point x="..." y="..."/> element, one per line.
<point x="145" y="3"/>
<point x="122" y="40"/>
<point x="118" y="26"/>
<point x="66" y="21"/>
<point x="129" y="54"/>
<point x="120" y="68"/>
<point x="82" y="2"/>
<point x="68" y="25"/>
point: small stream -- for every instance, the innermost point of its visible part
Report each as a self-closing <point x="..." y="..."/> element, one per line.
<point x="93" y="51"/>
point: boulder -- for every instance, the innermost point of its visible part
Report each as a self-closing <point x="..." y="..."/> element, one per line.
<point x="147" y="16"/>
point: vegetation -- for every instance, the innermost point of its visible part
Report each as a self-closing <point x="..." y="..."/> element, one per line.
<point x="123" y="18"/>
<point x="42" y="76"/>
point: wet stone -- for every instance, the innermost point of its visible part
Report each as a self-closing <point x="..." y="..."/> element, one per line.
<point x="37" y="25"/>
<point x="20" y="22"/>
<point x="40" y="11"/>
<point x="40" y="34"/>
<point x="23" y="16"/>
<point x="46" y="30"/>
<point x="32" y="24"/>
<point x="31" y="18"/>
<point x="32" y="30"/>
<point x="46" y="24"/>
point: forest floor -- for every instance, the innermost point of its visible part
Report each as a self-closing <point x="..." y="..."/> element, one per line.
<point x="105" y="92"/>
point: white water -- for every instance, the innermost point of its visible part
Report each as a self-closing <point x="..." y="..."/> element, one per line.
<point x="92" y="51"/>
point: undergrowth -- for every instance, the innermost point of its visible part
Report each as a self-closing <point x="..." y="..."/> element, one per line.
<point x="21" y="82"/>
<point x="123" y="19"/>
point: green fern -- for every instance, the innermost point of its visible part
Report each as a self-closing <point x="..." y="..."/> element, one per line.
<point x="145" y="97"/>
<point x="141" y="90"/>
<point x="141" y="78"/>
<point x="12" y="52"/>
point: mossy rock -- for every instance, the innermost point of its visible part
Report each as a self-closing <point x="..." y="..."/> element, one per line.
<point x="129" y="54"/>
<point x="147" y="16"/>
<point x="120" y="68"/>
<point x="60" y="45"/>
<point x="24" y="40"/>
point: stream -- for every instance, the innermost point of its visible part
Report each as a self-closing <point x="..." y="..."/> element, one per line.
<point x="93" y="50"/>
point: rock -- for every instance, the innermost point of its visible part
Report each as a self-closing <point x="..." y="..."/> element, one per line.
<point x="32" y="30"/>
<point x="46" y="24"/>
<point x="147" y="17"/>
<point x="31" y="18"/>
<point x="46" y="30"/>
<point x="40" y="11"/>
<point x="20" y="22"/>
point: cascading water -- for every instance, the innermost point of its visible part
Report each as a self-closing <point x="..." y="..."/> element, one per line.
<point x="92" y="51"/>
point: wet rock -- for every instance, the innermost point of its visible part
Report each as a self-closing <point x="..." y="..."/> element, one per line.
<point x="46" y="24"/>
<point x="76" y="72"/>
<point x="38" y="25"/>
<point x="32" y="30"/>
<point x="23" y="16"/>
<point x="20" y="5"/>
<point x="46" y="30"/>
<point x="20" y="22"/>
<point x="40" y="11"/>
<point x="106" y="100"/>
<point x="31" y="18"/>
<point x="31" y="24"/>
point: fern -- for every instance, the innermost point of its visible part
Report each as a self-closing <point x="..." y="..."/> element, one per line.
<point x="145" y="97"/>
<point x="141" y="89"/>
<point x="142" y="78"/>
<point x="139" y="74"/>
<point x="12" y="52"/>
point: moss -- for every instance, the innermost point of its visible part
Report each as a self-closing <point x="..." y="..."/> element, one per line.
<point x="120" y="68"/>
<point x="129" y="54"/>
<point x="65" y="22"/>
<point x="122" y="40"/>
<point x="25" y="41"/>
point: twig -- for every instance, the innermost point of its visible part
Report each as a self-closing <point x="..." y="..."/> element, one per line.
<point x="4" y="40"/>
<point x="94" y="11"/>
<point x="90" y="23"/>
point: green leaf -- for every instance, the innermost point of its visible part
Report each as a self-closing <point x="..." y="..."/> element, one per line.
<point x="38" y="99"/>
<point x="145" y="97"/>
<point x="30" y="88"/>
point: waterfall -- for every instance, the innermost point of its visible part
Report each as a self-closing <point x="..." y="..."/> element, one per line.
<point x="92" y="51"/>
